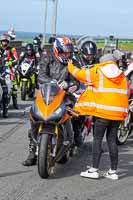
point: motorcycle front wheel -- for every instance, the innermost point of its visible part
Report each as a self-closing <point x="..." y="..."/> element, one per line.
<point x="23" y="90"/>
<point x="44" y="156"/>
<point x="122" y="134"/>
<point x="124" y="130"/>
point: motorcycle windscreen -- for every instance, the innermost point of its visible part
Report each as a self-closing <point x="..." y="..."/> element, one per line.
<point x="49" y="101"/>
<point x="25" y="68"/>
<point x="49" y="92"/>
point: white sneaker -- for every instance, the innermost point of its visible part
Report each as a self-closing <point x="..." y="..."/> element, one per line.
<point x="112" y="176"/>
<point x="90" y="173"/>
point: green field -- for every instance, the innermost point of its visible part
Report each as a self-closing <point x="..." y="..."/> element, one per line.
<point x="126" y="45"/>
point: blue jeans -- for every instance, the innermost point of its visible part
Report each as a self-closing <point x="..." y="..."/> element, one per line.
<point x="110" y="127"/>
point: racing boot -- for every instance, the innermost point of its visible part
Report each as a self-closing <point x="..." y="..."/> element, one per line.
<point x="5" y="111"/>
<point x="32" y="158"/>
<point x="5" y="99"/>
<point x="14" y="100"/>
<point x="5" y="106"/>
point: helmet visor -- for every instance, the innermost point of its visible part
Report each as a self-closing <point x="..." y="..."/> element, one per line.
<point x="67" y="48"/>
<point x="65" y="55"/>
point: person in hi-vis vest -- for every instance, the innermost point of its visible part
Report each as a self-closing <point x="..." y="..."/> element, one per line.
<point x="106" y="98"/>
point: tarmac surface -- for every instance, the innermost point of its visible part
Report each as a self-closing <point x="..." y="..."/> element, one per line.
<point x="23" y="183"/>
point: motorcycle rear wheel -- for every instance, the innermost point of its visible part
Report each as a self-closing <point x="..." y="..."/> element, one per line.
<point x="44" y="156"/>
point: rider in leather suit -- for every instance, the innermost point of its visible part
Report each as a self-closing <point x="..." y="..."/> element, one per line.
<point x="86" y="56"/>
<point x="8" y="57"/>
<point x="54" y="67"/>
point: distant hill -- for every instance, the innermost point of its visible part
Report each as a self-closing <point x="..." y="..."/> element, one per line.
<point x="25" y="35"/>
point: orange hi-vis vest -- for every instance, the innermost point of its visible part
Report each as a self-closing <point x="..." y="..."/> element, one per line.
<point x="107" y="93"/>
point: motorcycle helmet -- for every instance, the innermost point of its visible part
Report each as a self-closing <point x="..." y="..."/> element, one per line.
<point x="40" y="36"/>
<point x="89" y="51"/>
<point x="4" y="39"/>
<point x="63" y="49"/>
<point x="121" y="59"/>
<point x="29" y="49"/>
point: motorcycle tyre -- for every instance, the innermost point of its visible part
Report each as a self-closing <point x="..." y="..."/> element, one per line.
<point x="43" y="156"/>
<point x="123" y="141"/>
<point x="23" y="91"/>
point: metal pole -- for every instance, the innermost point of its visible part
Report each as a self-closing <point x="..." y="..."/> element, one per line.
<point x="54" y="24"/>
<point x="45" y="20"/>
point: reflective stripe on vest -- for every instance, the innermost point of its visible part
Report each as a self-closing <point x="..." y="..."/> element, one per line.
<point x="88" y="75"/>
<point x="113" y="90"/>
<point x="74" y="72"/>
<point x="101" y="77"/>
<point x="93" y="104"/>
<point x="102" y="89"/>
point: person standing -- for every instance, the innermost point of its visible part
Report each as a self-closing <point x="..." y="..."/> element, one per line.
<point x="11" y="33"/>
<point x="103" y="100"/>
<point x="9" y="57"/>
<point x="86" y="57"/>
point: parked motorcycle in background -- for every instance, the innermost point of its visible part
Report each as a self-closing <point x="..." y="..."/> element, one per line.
<point x="1" y="94"/>
<point x="8" y="76"/>
<point x="26" y="79"/>
<point x="126" y="127"/>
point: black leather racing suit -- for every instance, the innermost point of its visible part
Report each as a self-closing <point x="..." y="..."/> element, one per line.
<point x="5" y="100"/>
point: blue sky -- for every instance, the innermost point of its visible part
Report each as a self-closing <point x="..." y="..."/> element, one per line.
<point x="95" y="17"/>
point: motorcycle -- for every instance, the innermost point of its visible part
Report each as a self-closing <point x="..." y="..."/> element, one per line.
<point x="8" y="76"/>
<point x="26" y="79"/>
<point x="126" y="127"/>
<point x="50" y="111"/>
<point x="1" y="94"/>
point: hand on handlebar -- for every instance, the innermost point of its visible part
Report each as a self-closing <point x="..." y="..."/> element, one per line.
<point x="63" y="85"/>
<point x="72" y="89"/>
<point x="70" y="61"/>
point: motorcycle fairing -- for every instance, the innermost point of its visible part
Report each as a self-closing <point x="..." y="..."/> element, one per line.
<point x="46" y="109"/>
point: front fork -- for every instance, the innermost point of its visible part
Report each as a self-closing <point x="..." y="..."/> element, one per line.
<point x="54" y="138"/>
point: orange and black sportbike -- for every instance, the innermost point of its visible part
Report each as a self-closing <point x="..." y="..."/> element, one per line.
<point x="50" y="112"/>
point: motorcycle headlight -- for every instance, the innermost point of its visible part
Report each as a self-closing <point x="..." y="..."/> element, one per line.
<point x="59" y="110"/>
<point x="131" y="105"/>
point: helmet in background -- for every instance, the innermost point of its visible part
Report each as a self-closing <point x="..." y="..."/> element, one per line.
<point x="4" y="39"/>
<point x="29" y="49"/>
<point x="89" y="51"/>
<point x="63" y="49"/>
<point x="40" y="36"/>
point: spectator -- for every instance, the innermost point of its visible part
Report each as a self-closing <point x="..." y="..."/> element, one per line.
<point x="38" y="43"/>
<point x="11" y="33"/>
<point x="52" y="39"/>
